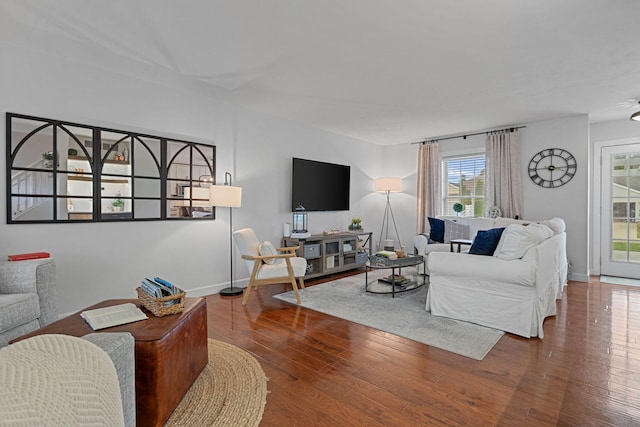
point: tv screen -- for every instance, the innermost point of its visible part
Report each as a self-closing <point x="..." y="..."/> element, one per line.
<point x="320" y="186"/>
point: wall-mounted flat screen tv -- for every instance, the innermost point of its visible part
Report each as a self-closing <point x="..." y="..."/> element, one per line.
<point x="320" y="186"/>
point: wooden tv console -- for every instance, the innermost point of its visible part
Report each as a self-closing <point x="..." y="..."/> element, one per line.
<point x="333" y="253"/>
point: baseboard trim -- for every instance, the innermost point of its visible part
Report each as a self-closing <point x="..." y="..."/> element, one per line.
<point x="579" y="277"/>
<point x="215" y="289"/>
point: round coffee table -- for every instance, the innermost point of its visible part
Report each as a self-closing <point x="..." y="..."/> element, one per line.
<point x="395" y="282"/>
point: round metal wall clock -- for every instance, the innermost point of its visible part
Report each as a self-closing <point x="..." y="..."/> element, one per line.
<point x="552" y="167"/>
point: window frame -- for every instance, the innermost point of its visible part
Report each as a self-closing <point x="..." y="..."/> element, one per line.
<point x="447" y="200"/>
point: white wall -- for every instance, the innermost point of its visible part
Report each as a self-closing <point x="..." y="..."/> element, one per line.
<point x="571" y="201"/>
<point x="99" y="261"/>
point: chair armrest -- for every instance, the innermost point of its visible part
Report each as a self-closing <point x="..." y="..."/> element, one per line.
<point x="288" y="249"/>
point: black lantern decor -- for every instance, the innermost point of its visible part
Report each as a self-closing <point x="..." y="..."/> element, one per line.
<point x="300" y="229"/>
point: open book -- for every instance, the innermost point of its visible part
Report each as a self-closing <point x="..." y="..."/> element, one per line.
<point x="112" y="316"/>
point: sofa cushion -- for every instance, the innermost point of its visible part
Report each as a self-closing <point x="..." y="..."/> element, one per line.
<point x="454" y="230"/>
<point x="517" y="239"/>
<point x="436" y="229"/>
<point x="18" y="309"/>
<point x="486" y="242"/>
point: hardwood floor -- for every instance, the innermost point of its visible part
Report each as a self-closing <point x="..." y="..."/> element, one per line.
<point x="325" y="371"/>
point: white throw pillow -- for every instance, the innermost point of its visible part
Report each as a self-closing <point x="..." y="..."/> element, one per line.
<point x="517" y="239"/>
<point x="267" y="249"/>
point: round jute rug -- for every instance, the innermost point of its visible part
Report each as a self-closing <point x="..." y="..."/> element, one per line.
<point x="230" y="391"/>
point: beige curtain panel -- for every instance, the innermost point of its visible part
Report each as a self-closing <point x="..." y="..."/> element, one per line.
<point x="504" y="184"/>
<point x="428" y="183"/>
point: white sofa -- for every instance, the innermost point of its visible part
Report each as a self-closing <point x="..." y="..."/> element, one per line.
<point x="514" y="292"/>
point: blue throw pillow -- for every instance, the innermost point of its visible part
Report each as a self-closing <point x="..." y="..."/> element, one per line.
<point x="437" y="229"/>
<point x="486" y="242"/>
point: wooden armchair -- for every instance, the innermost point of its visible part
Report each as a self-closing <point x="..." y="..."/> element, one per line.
<point x="280" y="267"/>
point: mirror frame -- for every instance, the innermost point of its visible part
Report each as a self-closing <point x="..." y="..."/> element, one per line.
<point x="115" y="165"/>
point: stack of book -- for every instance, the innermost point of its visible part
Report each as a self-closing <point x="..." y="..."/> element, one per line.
<point x="160" y="288"/>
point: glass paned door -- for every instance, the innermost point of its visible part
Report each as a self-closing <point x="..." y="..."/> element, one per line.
<point x="621" y="211"/>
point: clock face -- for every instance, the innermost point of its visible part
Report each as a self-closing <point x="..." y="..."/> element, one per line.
<point x="552" y="167"/>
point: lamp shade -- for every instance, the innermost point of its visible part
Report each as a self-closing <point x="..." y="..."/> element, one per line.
<point x="225" y="195"/>
<point x="393" y="185"/>
<point x="198" y="193"/>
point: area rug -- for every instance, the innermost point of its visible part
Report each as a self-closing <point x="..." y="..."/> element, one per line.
<point x="404" y="315"/>
<point x="230" y="391"/>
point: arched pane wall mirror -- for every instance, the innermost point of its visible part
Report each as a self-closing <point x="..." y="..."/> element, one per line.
<point x="66" y="172"/>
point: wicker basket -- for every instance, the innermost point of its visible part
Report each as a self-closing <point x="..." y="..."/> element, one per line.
<point x="156" y="305"/>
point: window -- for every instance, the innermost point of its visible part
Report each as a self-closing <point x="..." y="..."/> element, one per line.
<point x="66" y="172"/>
<point x="464" y="182"/>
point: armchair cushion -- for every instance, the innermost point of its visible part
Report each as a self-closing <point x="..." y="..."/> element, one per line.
<point x="268" y="249"/>
<point x="270" y="271"/>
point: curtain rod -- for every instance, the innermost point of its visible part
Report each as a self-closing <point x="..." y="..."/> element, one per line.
<point x="464" y="136"/>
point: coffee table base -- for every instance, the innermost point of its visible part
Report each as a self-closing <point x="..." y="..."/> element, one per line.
<point x="391" y="285"/>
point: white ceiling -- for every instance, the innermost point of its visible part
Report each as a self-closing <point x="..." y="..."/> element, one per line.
<point x="384" y="71"/>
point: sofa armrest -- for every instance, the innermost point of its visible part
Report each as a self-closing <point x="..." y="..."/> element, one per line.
<point x="18" y="277"/>
<point x="550" y="253"/>
<point x="120" y="348"/>
<point x="32" y="276"/>
<point x="46" y="288"/>
<point x="420" y="242"/>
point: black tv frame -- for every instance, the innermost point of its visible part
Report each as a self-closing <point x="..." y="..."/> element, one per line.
<point x="320" y="186"/>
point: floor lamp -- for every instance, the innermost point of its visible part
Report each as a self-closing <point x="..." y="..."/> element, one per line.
<point x="387" y="186"/>
<point x="229" y="196"/>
